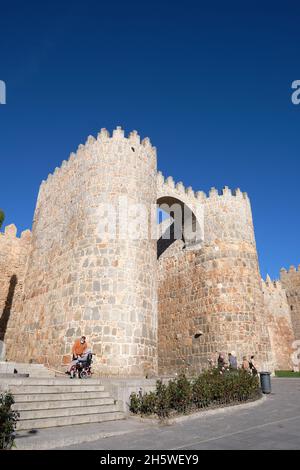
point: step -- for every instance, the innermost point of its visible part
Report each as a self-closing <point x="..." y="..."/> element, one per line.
<point x="9" y="376"/>
<point x="70" y="411"/>
<point x="33" y="389"/>
<point x="12" y="380"/>
<point x="68" y="420"/>
<point x="45" y="397"/>
<point x="36" y="370"/>
<point x="46" y="405"/>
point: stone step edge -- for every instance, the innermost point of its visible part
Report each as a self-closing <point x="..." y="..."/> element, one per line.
<point x="55" y="398"/>
<point x="74" y="412"/>
<point x="39" y="423"/>
<point x="25" y="379"/>
<point x="26" y="382"/>
<point x="70" y="440"/>
<point x="18" y="405"/>
<point x="48" y="392"/>
<point x="73" y="392"/>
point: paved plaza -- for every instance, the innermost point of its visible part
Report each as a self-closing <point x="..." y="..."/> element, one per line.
<point x="273" y="424"/>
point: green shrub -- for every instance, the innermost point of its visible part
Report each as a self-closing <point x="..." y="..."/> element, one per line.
<point x="210" y="388"/>
<point x="202" y="391"/>
<point x="8" y="421"/>
<point x="148" y="403"/>
<point x="180" y="392"/>
<point x="134" y="403"/>
<point x="162" y="399"/>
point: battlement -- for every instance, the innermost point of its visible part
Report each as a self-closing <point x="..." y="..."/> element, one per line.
<point x="10" y="233"/>
<point x="291" y="280"/>
<point x="271" y="285"/>
<point x="135" y="144"/>
<point x="168" y="185"/>
<point x="291" y="270"/>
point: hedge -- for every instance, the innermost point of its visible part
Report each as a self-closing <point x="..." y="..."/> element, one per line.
<point x="210" y="389"/>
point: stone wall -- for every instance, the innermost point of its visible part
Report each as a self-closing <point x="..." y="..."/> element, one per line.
<point x="215" y="290"/>
<point x="13" y="257"/>
<point x="279" y="323"/>
<point x="81" y="283"/>
<point x="68" y="279"/>
<point x="291" y="283"/>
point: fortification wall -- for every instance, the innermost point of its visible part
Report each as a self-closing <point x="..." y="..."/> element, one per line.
<point x="81" y="283"/>
<point x="279" y="323"/>
<point x="291" y="283"/>
<point x="215" y="289"/>
<point x="14" y="252"/>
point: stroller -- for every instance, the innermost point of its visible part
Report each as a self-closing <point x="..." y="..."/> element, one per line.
<point x="82" y="368"/>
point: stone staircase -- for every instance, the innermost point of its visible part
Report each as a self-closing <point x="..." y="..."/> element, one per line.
<point x="34" y="370"/>
<point x="50" y="402"/>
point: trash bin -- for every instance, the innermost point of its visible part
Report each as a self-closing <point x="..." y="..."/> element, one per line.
<point x="265" y="382"/>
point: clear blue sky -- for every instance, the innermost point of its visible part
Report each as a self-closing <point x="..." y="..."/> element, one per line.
<point x="208" y="82"/>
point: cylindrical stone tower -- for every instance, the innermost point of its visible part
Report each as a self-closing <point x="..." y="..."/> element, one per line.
<point x="210" y="299"/>
<point x="81" y="280"/>
<point x="232" y="306"/>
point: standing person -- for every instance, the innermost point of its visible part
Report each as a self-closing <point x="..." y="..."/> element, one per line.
<point x="221" y="361"/>
<point x="252" y="366"/>
<point x="232" y="360"/>
<point x="245" y="363"/>
<point x="79" y="348"/>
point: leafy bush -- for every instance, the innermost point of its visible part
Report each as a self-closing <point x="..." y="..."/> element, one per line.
<point x="8" y="421"/>
<point x="135" y="403"/>
<point x="148" y="403"/>
<point x="203" y="391"/>
<point x="180" y="394"/>
<point x="211" y="388"/>
<point x="162" y="399"/>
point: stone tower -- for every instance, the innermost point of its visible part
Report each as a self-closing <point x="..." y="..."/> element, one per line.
<point x="215" y="290"/>
<point x="93" y="266"/>
<point x="80" y="281"/>
<point x="290" y="281"/>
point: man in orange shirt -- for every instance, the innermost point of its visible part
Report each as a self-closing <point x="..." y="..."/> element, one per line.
<point x="79" y="348"/>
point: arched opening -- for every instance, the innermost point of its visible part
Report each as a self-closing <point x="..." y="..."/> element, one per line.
<point x="177" y="221"/>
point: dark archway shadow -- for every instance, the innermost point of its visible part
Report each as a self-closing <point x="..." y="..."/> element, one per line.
<point x="8" y="305"/>
<point x="185" y="226"/>
<point x="164" y="243"/>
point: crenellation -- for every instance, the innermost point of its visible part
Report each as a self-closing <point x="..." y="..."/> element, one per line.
<point x="180" y="187"/>
<point x="170" y="182"/>
<point x="213" y="193"/>
<point x="238" y="193"/>
<point x="190" y="192"/>
<point x="201" y="196"/>
<point x="103" y="135"/>
<point x="118" y="133"/>
<point x="134" y="138"/>
<point x="90" y="140"/>
<point x="226" y="191"/>
<point x="10" y="231"/>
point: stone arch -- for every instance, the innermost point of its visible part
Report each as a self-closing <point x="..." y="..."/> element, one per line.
<point x="183" y="224"/>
